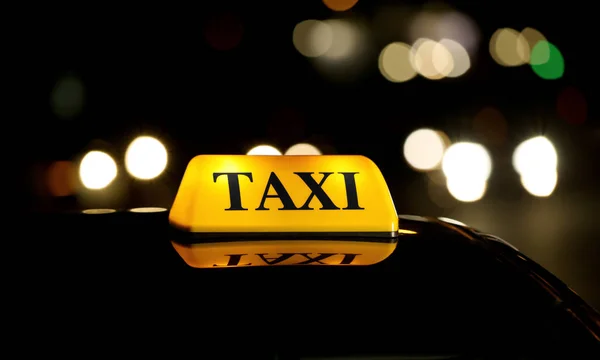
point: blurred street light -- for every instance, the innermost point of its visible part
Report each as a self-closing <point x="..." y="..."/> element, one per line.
<point x="97" y="170"/>
<point x="536" y="161"/>
<point x="424" y="149"/>
<point x="303" y="149"/>
<point x="467" y="167"/>
<point x="264" y="150"/>
<point x="146" y="158"/>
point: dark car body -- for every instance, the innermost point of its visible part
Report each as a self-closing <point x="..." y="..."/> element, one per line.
<point x="113" y="282"/>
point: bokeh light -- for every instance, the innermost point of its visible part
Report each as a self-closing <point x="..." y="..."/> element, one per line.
<point x="466" y="189"/>
<point x="466" y="159"/>
<point x="554" y="67"/>
<point x="460" y="57"/>
<point x="535" y="154"/>
<point x="424" y="149"/>
<point x="97" y="170"/>
<point x="395" y="62"/>
<point x="508" y="47"/>
<point x="345" y="42"/>
<point x="536" y="161"/>
<point x="61" y="178"/>
<point x="146" y="158"/>
<point x="540" y="184"/>
<point x="431" y="59"/>
<point x="532" y="37"/>
<point x="445" y="23"/>
<point x="339" y="49"/>
<point x="332" y="39"/>
<point x="340" y="5"/>
<point x="467" y="167"/>
<point x="303" y="149"/>
<point x="460" y="28"/>
<point x="264" y="150"/>
<point x="312" y="38"/>
<point x="67" y="97"/>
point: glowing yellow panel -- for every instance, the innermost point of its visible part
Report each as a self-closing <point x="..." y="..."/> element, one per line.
<point x="284" y="252"/>
<point x="283" y="204"/>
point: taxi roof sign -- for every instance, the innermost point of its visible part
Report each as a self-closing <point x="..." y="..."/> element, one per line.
<point x="285" y="201"/>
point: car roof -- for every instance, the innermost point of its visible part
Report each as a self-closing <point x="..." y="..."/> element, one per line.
<point x="446" y="271"/>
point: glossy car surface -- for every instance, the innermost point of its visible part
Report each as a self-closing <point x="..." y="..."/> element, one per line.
<point x="113" y="281"/>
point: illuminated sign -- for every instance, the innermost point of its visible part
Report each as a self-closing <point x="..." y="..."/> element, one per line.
<point x="283" y="208"/>
<point x="284" y="252"/>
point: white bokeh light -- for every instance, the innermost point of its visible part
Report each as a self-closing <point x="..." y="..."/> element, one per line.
<point x="536" y="161"/>
<point x="424" y="149"/>
<point x="467" y="160"/>
<point x="146" y="158"/>
<point x="540" y="184"/>
<point x="303" y="149"/>
<point x="264" y="150"/>
<point x="466" y="189"/>
<point x="467" y="167"/>
<point x="536" y="153"/>
<point x="97" y="170"/>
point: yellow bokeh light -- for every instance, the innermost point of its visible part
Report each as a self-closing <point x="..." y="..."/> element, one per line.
<point x="460" y="57"/>
<point x="312" y="38"/>
<point x="146" y="158"/>
<point x="395" y="64"/>
<point x="346" y="35"/>
<point x="508" y="47"/>
<point x="431" y="59"/>
<point x="97" y="170"/>
<point x="264" y="150"/>
<point x="329" y="40"/>
<point x="532" y="37"/>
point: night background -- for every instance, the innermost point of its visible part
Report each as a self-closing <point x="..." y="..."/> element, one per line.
<point x="221" y="80"/>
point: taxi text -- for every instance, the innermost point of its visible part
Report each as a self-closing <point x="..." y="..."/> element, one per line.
<point x="289" y="259"/>
<point x="281" y="193"/>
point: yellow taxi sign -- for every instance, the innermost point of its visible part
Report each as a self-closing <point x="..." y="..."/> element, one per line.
<point x="281" y="202"/>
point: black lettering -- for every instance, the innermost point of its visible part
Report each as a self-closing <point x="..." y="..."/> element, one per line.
<point x="316" y="189"/>
<point x="351" y="193"/>
<point x="348" y="259"/>
<point x="276" y="260"/>
<point x="235" y="197"/>
<point x="318" y="259"/>
<point x="280" y="193"/>
<point x="234" y="260"/>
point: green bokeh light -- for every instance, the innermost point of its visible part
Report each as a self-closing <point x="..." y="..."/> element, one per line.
<point x="547" y="61"/>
